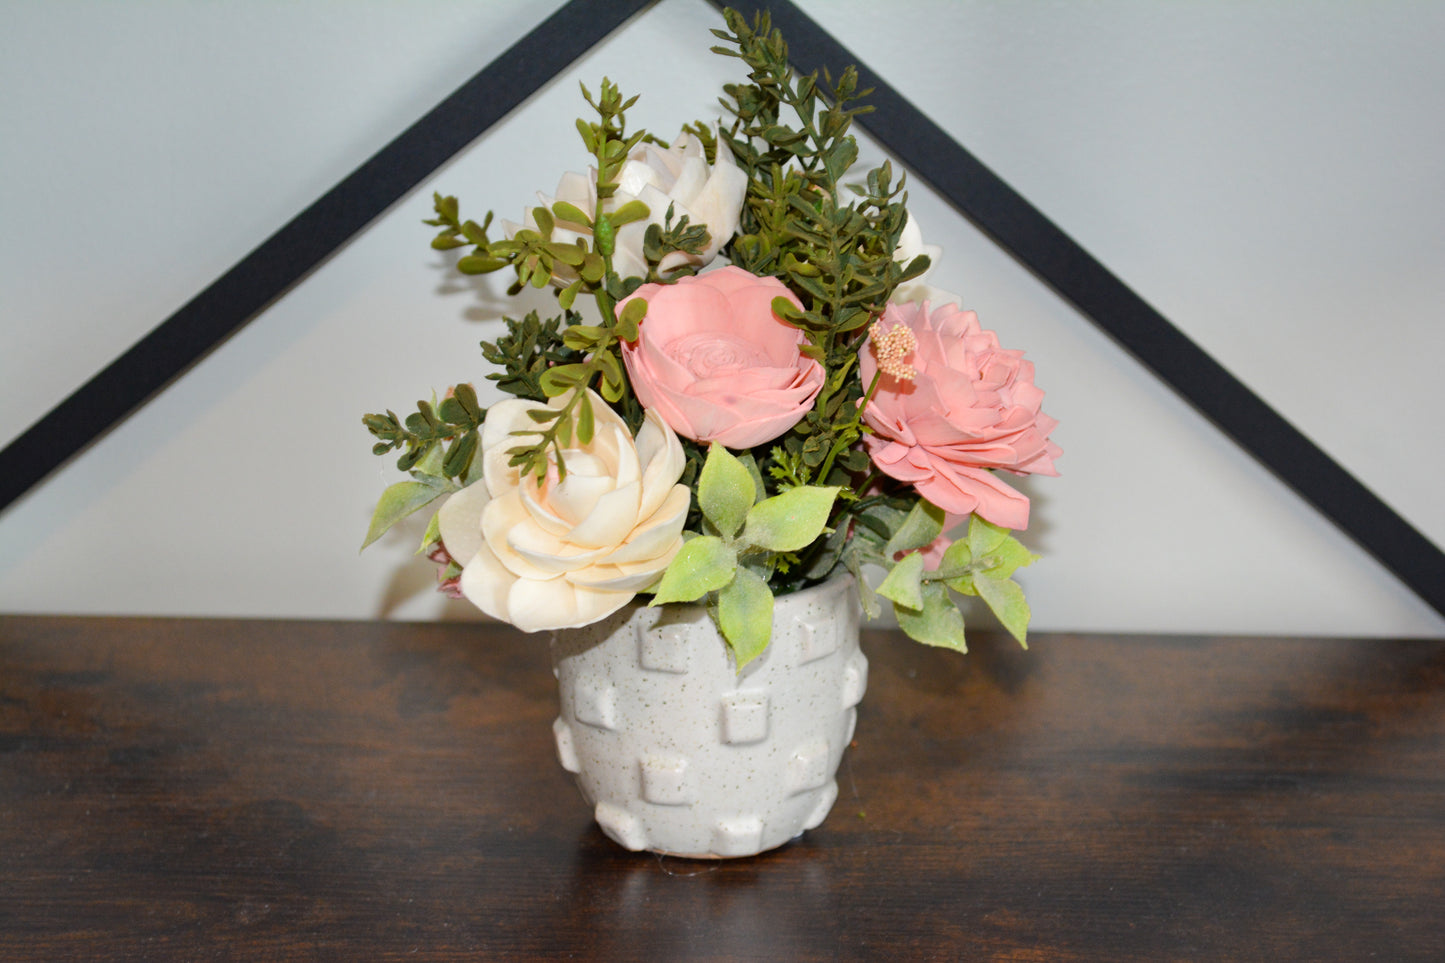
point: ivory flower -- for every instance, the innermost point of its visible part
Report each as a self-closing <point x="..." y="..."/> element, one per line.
<point x="579" y="547"/>
<point x="910" y="245"/>
<point x="970" y="407"/>
<point x="680" y="176"/>
<point x="716" y="363"/>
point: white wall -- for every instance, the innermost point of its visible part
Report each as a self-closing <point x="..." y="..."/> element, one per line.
<point x="1266" y="174"/>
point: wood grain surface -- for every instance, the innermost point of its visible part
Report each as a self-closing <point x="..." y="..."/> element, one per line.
<point x="288" y="790"/>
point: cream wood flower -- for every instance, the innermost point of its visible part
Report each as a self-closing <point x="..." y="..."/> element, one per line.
<point x="910" y="245"/>
<point x="575" y="549"/>
<point x="680" y="176"/>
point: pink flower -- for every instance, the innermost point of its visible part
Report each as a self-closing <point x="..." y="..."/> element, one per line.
<point x="716" y="364"/>
<point x="971" y="406"/>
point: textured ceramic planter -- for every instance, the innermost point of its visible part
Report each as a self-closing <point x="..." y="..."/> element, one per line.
<point x="679" y="753"/>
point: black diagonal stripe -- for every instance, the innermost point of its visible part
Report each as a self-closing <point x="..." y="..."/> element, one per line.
<point x="288" y="255"/>
<point x="1057" y="260"/>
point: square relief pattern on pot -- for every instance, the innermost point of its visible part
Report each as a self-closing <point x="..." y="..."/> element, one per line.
<point x="816" y="641"/>
<point x="744" y="717"/>
<point x="663" y="648"/>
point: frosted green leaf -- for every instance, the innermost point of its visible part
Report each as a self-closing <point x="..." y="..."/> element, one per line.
<point x="760" y="490"/>
<point x="984" y="538"/>
<point x="866" y="595"/>
<point x="904" y="583"/>
<point x="790" y="521"/>
<point x="725" y="490"/>
<point x="1006" y="598"/>
<point x="1009" y="557"/>
<point x="432" y="535"/>
<point x="920" y="526"/>
<point x="938" y="622"/>
<point x="745" y="615"/>
<point x="399" y="501"/>
<point x="704" y="565"/>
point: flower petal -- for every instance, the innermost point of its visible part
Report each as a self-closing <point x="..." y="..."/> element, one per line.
<point x="460" y="521"/>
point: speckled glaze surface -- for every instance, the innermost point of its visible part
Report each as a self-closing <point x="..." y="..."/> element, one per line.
<point x="679" y="753"/>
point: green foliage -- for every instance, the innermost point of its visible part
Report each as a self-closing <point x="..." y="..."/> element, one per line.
<point x="400" y="500"/>
<point x="705" y="564"/>
<point x="752" y="534"/>
<point x="530" y="347"/>
<point x="936" y="621"/>
<point x="922" y="525"/>
<point x="453" y="426"/>
<point x="660" y="240"/>
<point x="725" y="491"/>
<point x="745" y="615"/>
<point x="791" y="521"/>
<point x="904" y="582"/>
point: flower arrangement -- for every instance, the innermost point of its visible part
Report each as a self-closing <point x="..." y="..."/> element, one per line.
<point x="752" y="408"/>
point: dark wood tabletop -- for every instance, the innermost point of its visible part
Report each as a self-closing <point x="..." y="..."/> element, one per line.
<point x="356" y="791"/>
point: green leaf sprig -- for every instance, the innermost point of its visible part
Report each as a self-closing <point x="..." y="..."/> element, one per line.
<point x="746" y="535"/>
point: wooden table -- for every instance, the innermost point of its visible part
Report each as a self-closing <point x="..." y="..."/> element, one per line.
<point x="277" y="790"/>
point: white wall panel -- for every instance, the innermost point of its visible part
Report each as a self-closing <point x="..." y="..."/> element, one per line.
<point x="1278" y="206"/>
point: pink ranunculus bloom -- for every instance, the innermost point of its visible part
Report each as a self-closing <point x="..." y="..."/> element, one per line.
<point x="970" y="406"/>
<point x="716" y="364"/>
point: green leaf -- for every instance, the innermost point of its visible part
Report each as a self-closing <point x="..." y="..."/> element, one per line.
<point x="459" y="456"/>
<point x="629" y="212"/>
<point x="725" y="490"/>
<point x="921" y="526"/>
<point x="959" y="558"/>
<point x="790" y="521"/>
<point x="563" y="378"/>
<point x="866" y="595"/>
<point x="397" y="502"/>
<point x="586" y="423"/>
<point x="751" y="464"/>
<point x="571" y="214"/>
<point x="1006" y="598"/>
<point x="612" y="383"/>
<point x="1009" y="557"/>
<point x="569" y="254"/>
<point x="938" y="622"/>
<point x="584" y="337"/>
<point x="432" y="535"/>
<point x="984" y="538"/>
<point x="745" y="615"/>
<point x="588" y="137"/>
<point x="466" y="396"/>
<point x="704" y="565"/>
<point x="477" y="264"/>
<point x="904" y="582"/>
<point x="568" y="295"/>
<point x="786" y="309"/>
<point x="431" y="464"/>
<point x="632" y="314"/>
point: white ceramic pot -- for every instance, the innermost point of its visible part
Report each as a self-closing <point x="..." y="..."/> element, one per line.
<point x="679" y="753"/>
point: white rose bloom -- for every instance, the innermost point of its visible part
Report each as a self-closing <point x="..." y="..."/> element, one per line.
<point x="679" y="176"/>
<point x="910" y="245"/>
<point x="569" y="552"/>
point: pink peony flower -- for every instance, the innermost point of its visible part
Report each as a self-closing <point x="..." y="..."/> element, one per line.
<point x="716" y="364"/>
<point x="970" y="406"/>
